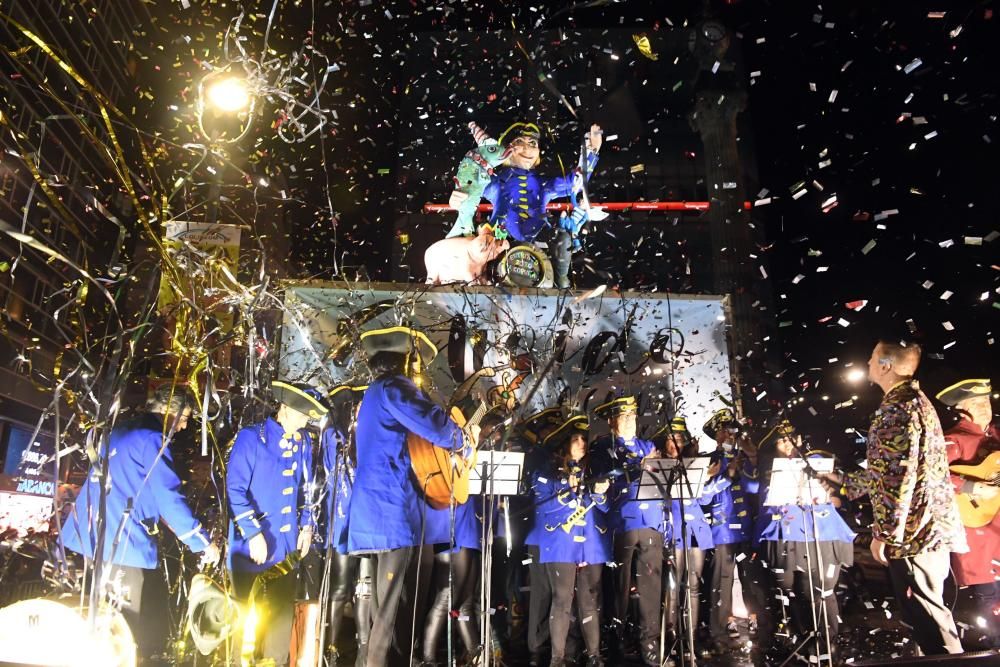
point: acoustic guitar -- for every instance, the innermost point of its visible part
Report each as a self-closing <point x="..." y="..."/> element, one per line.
<point x="439" y="475"/>
<point x="978" y="512"/>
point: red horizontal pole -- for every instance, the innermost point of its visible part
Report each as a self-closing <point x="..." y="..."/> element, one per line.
<point x="607" y="206"/>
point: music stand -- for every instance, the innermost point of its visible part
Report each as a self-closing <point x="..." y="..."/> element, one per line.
<point x="496" y="473"/>
<point x="666" y="480"/>
<point x="791" y="483"/>
<point x="661" y="480"/>
<point x="794" y="482"/>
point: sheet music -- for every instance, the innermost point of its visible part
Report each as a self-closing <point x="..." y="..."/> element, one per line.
<point x="505" y="468"/>
<point x="790" y="485"/>
<point x="653" y="482"/>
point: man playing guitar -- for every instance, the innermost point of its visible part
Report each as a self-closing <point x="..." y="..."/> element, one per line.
<point x="974" y="452"/>
<point x="387" y="508"/>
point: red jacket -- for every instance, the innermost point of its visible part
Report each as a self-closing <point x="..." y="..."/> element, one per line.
<point x="968" y="444"/>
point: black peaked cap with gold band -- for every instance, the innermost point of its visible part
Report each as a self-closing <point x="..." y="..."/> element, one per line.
<point x="718" y="420"/>
<point x="573" y="425"/>
<point x="535" y="427"/>
<point x="960" y="391"/>
<point x="345" y="392"/>
<point x="676" y="425"/>
<point x="398" y="339"/>
<point x="783" y="429"/>
<point x="622" y="405"/>
<point x="519" y="129"/>
<point x="300" y="397"/>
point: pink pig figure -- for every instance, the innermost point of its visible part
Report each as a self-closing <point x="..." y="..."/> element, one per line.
<point x="462" y="259"/>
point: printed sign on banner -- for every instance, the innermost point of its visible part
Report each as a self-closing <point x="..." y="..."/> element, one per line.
<point x="579" y="351"/>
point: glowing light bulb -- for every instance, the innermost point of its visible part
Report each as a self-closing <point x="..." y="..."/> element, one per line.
<point x="230" y="94"/>
<point x="855" y="375"/>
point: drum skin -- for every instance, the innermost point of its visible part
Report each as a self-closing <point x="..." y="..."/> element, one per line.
<point x="48" y="632"/>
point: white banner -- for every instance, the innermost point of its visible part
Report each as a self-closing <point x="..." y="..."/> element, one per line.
<point x="579" y="349"/>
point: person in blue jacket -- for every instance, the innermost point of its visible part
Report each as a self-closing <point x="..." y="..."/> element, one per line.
<point x="688" y="536"/>
<point x="387" y="511"/>
<point x="519" y="196"/>
<point x="573" y="539"/>
<point x="637" y="524"/>
<point x="534" y="429"/>
<point x="144" y="490"/>
<point x="804" y="569"/>
<point x="350" y="577"/>
<point x="732" y="511"/>
<point x="268" y="480"/>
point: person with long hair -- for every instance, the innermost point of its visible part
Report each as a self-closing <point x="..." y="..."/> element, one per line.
<point x="387" y="517"/>
<point x="573" y="539"/>
<point x="804" y="545"/>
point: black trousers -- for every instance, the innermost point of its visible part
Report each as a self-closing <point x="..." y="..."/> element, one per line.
<point x="727" y="561"/>
<point x="791" y="577"/>
<point x="569" y="582"/>
<point x="464" y="567"/>
<point x="676" y="592"/>
<point x="343" y="578"/>
<point x="398" y="587"/>
<point x="918" y="582"/>
<point x="644" y="548"/>
<point x="539" y="603"/>
<point x="275" y="603"/>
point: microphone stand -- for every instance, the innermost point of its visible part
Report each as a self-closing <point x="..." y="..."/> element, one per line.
<point x="824" y="635"/>
<point x="679" y="472"/>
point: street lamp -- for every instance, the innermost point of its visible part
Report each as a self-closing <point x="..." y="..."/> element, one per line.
<point x="855" y="375"/>
<point x="230" y="94"/>
<point x="225" y="107"/>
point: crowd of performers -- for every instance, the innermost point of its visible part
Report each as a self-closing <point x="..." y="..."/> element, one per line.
<point x="604" y="571"/>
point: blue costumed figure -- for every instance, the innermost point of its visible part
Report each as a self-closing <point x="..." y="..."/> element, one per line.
<point x="637" y="524"/>
<point x="573" y="537"/>
<point x="350" y="577"/>
<point x="387" y="509"/>
<point x="519" y="196"/>
<point x="732" y="511"/>
<point x="144" y="490"/>
<point x="805" y="545"/>
<point x="269" y="484"/>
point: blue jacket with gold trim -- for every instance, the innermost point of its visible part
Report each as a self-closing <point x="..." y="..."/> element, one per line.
<point x="733" y="508"/>
<point x="570" y="523"/>
<point x="269" y="481"/>
<point x="519" y="197"/>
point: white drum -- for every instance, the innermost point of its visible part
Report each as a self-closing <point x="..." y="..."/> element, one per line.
<point x="49" y="632"/>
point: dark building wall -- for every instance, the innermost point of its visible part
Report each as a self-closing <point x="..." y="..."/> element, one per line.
<point x="72" y="205"/>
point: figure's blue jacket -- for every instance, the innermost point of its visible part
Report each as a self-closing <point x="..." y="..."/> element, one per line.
<point x="385" y="504"/>
<point x="627" y="513"/>
<point x="588" y="540"/>
<point x="339" y="481"/>
<point x="141" y="472"/>
<point x="269" y="481"/>
<point x="792" y="523"/>
<point x="732" y="509"/>
<point x="699" y="533"/>
<point x="519" y="197"/>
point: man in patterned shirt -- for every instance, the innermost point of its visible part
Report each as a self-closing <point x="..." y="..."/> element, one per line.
<point x="916" y="523"/>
